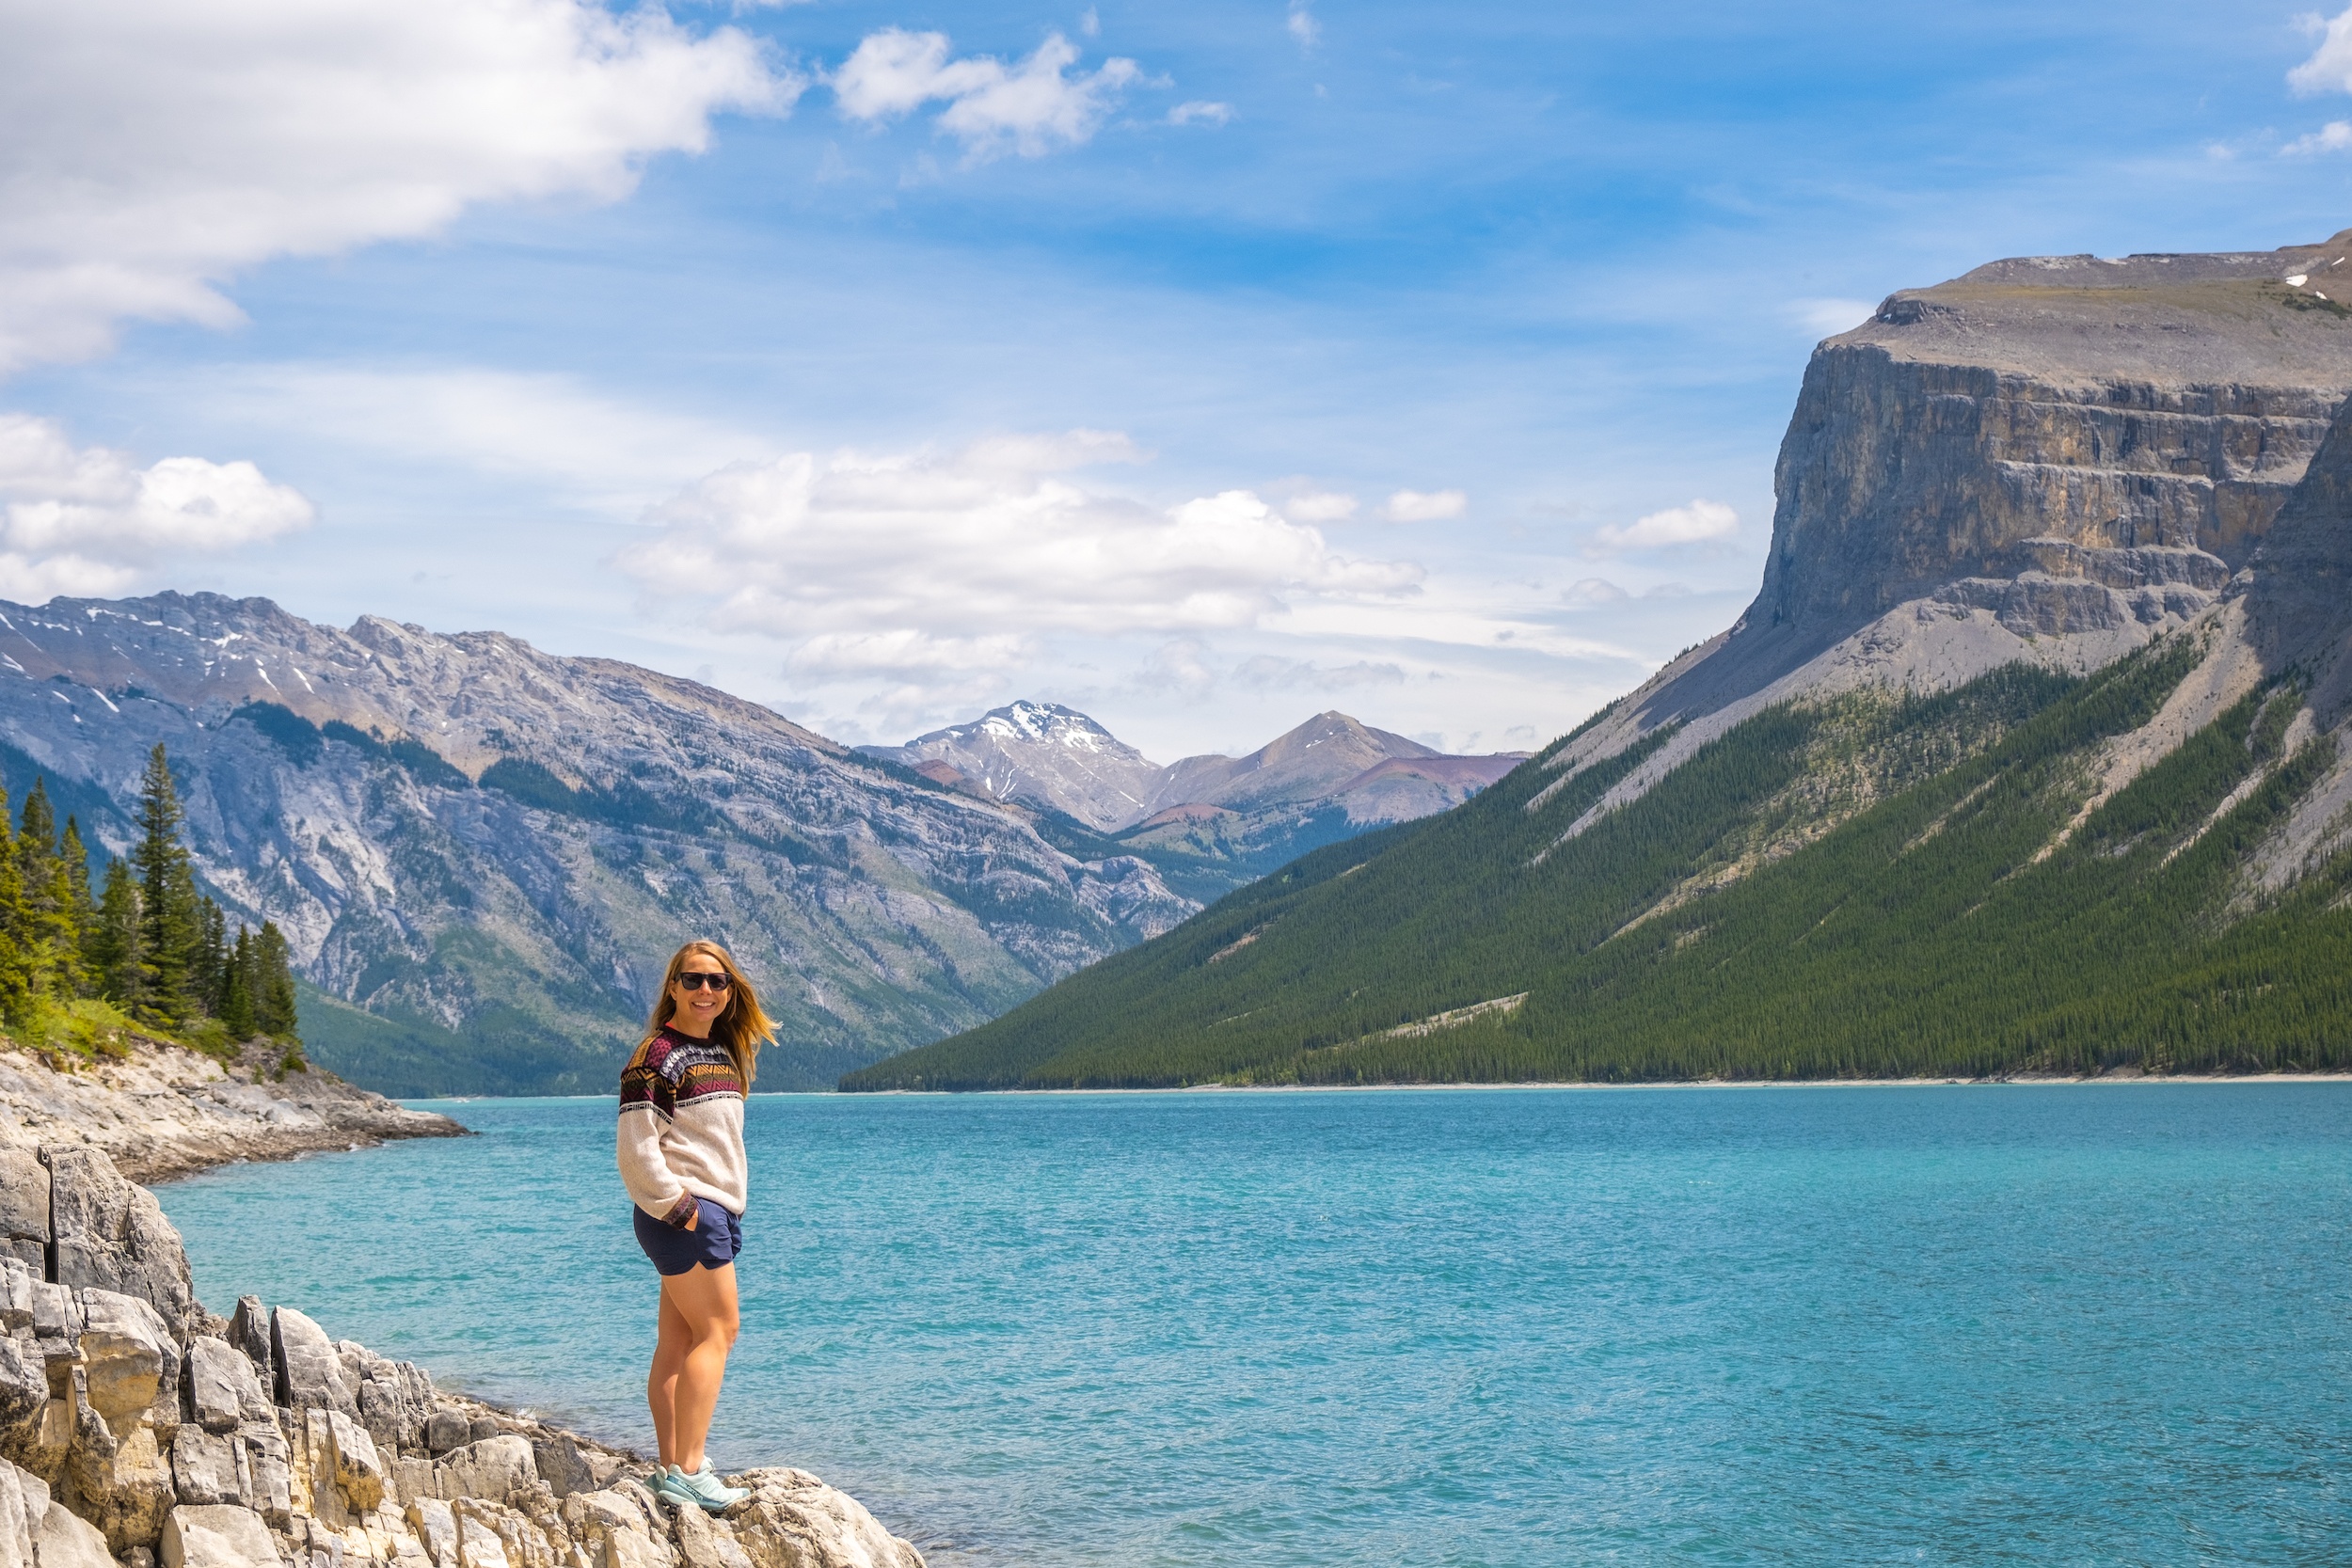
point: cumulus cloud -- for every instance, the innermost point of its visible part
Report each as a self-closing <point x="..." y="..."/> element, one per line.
<point x="917" y="560"/>
<point x="2334" y="137"/>
<point x="2329" y="68"/>
<point x="1303" y="26"/>
<point x="1199" y="112"/>
<point x="1418" y="506"/>
<point x="1030" y="108"/>
<point x="86" y="521"/>
<point x="1699" y="521"/>
<point x="151" y="149"/>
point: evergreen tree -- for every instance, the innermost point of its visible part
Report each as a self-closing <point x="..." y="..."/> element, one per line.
<point x="211" y="955"/>
<point x="240" y="976"/>
<point x="113" y="955"/>
<point x="17" y="964"/>
<point x="52" y="932"/>
<point x="170" y="922"/>
<point x="73" y="862"/>
<point x="274" y="1001"/>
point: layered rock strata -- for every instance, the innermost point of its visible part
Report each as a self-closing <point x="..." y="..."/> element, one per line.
<point x="137" y="1428"/>
<point x="2051" y="458"/>
<point x="161" y="1111"/>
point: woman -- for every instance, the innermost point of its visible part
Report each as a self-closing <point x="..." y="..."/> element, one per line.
<point x="682" y="1151"/>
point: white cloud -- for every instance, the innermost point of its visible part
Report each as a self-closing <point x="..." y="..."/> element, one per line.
<point x="1826" y="318"/>
<point x="2329" y="68"/>
<point x="1030" y="108"/>
<point x="1320" y="506"/>
<point x="906" y="652"/>
<point x="1681" y="525"/>
<point x="1593" y="591"/>
<point x="150" y="150"/>
<point x="887" y="557"/>
<point x="88" y="520"/>
<point x="1417" y="506"/>
<point x="1199" y="112"/>
<point x="2334" y="137"/>
<point x="1303" y="26"/>
<point x="1091" y="23"/>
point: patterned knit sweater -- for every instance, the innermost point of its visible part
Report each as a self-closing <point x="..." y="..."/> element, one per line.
<point x="681" y="1133"/>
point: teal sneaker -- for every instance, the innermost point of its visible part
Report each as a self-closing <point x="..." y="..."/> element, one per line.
<point x="666" y="1489"/>
<point x="704" y="1489"/>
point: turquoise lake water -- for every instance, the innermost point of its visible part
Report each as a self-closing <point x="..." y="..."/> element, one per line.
<point x="1507" y="1327"/>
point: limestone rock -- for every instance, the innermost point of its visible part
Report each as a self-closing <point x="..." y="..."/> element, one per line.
<point x="357" y="1471"/>
<point x="111" y="1235"/>
<point x="223" y="1390"/>
<point x="25" y="1208"/>
<point x="125" y="1490"/>
<point x="479" y="1544"/>
<point x="205" y="1469"/>
<point x="128" y="1348"/>
<point x="218" y="1536"/>
<point x="561" y="1466"/>
<point x="249" y="1331"/>
<point x="395" y="1398"/>
<point x="436" y="1527"/>
<point x="269" y="1469"/>
<point x="17" y="1280"/>
<point x="23" y="1382"/>
<point x="24" y="1499"/>
<point x="309" y="1373"/>
<point x="793" y="1518"/>
<point x="707" y="1543"/>
<point x="445" y="1429"/>
<point x="493" y="1469"/>
<point x="64" y="1541"/>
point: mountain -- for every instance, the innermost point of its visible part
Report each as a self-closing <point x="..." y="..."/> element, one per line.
<point x="1207" y="824"/>
<point x="482" y="854"/>
<point x="1040" y="754"/>
<point x="2029" y="757"/>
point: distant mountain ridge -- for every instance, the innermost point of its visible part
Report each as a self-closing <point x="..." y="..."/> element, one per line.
<point x="482" y="854"/>
<point x="1056" y="758"/>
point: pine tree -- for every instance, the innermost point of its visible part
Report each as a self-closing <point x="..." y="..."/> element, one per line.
<point x="211" y="953"/>
<point x="171" y="928"/>
<point x="114" y="956"/>
<point x="52" y="930"/>
<point x="240" y="976"/>
<point x="73" y="862"/>
<point x="274" y="1001"/>
<point x="17" y="958"/>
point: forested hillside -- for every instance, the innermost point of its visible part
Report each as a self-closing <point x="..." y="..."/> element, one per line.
<point x="1951" y="924"/>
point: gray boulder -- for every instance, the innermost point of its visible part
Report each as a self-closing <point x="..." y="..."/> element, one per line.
<point x="309" y="1373"/>
<point x="269" y="1469"/>
<point x="218" y="1536"/>
<point x="493" y="1469"/>
<point x="248" y="1330"/>
<point x="561" y="1464"/>
<point x="445" y="1429"/>
<point x="16" y="1294"/>
<point x="205" y="1469"/>
<point x="24" y="1384"/>
<point x="111" y="1235"/>
<point x="223" y="1391"/>
<point x="23" y="1499"/>
<point x="25" y="1208"/>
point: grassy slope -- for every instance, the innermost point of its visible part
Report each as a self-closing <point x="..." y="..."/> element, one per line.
<point x="1925" y="934"/>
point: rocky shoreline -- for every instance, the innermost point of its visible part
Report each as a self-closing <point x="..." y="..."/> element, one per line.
<point x="137" y="1428"/>
<point x="163" y="1111"/>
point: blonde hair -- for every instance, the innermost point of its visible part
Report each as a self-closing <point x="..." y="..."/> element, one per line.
<point x="741" y="1026"/>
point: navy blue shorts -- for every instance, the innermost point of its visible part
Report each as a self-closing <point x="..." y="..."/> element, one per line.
<point x="713" y="1243"/>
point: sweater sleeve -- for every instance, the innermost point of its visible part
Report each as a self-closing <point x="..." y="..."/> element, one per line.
<point x="647" y="1102"/>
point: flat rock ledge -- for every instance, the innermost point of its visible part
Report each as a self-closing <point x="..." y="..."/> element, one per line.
<point x="137" y="1428"/>
<point x="163" y="1111"/>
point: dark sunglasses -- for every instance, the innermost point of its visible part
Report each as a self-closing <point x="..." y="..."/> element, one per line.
<point x="695" y="980"/>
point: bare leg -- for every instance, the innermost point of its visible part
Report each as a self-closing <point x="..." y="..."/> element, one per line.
<point x="669" y="1357"/>
<point x="703" y="1304"/>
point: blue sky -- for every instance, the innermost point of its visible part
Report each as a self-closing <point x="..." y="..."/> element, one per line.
<point x="1424" y="361"/>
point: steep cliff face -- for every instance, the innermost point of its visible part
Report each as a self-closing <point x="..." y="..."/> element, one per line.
<point x="488" y="851"/>
<point x="2052" y="458"/>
